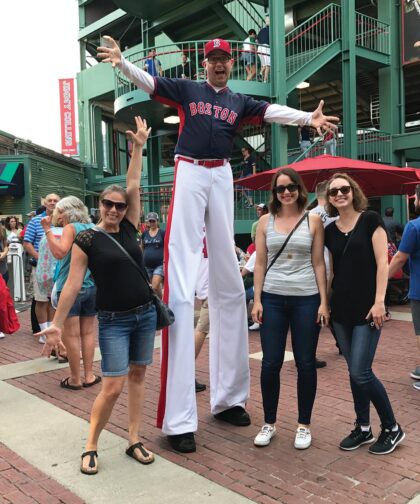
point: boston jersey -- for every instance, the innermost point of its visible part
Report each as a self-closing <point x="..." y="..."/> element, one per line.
<point x="209" y="119"/>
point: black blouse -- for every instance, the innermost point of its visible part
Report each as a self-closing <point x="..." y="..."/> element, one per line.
<point x="119" y="285"/>
<point x="354" y="282"/>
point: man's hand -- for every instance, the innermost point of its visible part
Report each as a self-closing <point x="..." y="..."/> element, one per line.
<point x="140" y="137"/>
<point x="322" y="122"/>
<point x="111" y="54"/>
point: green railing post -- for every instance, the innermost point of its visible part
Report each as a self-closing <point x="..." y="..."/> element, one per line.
<point x="392" y="117"/>
<point x="278" y="80"/>
<point x="348" y="30"/>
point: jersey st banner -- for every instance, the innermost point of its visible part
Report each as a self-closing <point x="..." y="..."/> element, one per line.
<point x="67" y="117"/>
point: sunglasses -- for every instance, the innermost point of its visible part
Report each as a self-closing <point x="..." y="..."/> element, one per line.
<point x="217" y="59"/>
<point x="345" y="189"/>
<point x="119" y="205"/>
<point x="280" y="189"/>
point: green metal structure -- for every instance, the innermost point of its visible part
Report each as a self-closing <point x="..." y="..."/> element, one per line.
<point x="348" y="52"/>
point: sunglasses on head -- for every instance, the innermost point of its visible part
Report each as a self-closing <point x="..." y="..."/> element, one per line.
<point x="119" y="205"/>
<point x="280" y="189"/>
<point x="345" y="189"/>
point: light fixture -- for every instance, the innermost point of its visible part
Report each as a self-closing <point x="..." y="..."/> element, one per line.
<point x="172" y="119"/>
<point x="303" y="85"/>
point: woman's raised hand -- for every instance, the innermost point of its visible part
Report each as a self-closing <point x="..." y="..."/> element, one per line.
<point x="142" y="134"/>
<point x="110" y="53"/>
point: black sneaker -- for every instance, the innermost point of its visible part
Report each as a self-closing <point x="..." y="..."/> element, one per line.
<point x="357" y="438"/>
<point x="387" y="441"/>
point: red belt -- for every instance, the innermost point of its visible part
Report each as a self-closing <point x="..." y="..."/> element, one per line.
<point x="214" y="163"/>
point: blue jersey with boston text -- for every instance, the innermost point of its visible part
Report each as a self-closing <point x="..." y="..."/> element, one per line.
<point x="209" y="120"/>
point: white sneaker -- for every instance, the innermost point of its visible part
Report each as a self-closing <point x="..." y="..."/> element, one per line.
<point x="2" y="335"/>
<point x="255" y="327"/>
<point x="42" y="339"/>
<point x="263" y="438"/>
<point x="303" y="438"/>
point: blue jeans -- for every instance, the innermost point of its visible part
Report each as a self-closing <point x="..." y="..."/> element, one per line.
<point x="358" y="344"/>
<point x="300" y="313"/>
<point x="126" y="338"/>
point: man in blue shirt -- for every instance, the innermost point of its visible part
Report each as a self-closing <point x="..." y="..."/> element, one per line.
<point x="33" y="235"/>
<point x="152" y="65"/>
<point x="410" y="249"/>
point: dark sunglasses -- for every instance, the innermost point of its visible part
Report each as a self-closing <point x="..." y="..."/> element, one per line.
<point x="290" y="187"/>
<point x="345" y="189"/>
<point x="119" y="206"/>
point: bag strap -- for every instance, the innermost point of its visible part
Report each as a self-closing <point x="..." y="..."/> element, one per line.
<point x="133" y="262"/>
<point x="351" y="234"/>
<point x="305" y="216"/>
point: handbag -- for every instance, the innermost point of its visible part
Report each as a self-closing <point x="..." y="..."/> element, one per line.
<point x="165" y="316"/>
<point x="305" y="215"/>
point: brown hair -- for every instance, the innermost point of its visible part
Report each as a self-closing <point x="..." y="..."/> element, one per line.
<point x="360" y="201"/>
<point x="294" y="176"/>
<point x="113" y="188"/>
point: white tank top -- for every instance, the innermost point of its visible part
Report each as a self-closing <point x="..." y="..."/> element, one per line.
<point x="292" y="274"/>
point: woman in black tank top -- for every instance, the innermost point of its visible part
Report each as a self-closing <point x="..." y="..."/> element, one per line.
<point x="357" y="243"/>
<point x="126" y="314"/>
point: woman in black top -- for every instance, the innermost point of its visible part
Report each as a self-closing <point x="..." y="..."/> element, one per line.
<point x="357" y="243"/>
<point x="126" y="314"/>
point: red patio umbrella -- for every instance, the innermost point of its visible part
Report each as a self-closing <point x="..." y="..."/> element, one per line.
<point x="374" y="178"/>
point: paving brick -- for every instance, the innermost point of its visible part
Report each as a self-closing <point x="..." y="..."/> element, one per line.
<point x="17" y="497"/>
<point x="407" y="488"/>
<point x="247" y="492"/>
<point x="4" y="465"/>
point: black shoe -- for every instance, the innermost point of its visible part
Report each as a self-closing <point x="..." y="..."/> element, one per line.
<point x="387" y="441"/>
<point x="235" y="416"/>
<point x="200" y="387"/>
<point x="357" y="438"/>
<point x="184" y="443"/>
<point x="320" y="363"/>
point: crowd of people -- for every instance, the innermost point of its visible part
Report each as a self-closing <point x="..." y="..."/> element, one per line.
<point x="291" y="286"/>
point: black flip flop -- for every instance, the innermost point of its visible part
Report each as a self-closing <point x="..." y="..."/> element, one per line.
<point x="65" y="383"/>
<point x="97" y="379"/>
<point x="92" y="454"/>
<point x="130" y="452"/>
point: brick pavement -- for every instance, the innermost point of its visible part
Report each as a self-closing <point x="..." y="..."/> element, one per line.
<point x="21" y="483"/>
<point x="277" y="473"/>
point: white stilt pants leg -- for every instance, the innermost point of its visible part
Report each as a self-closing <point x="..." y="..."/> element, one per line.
<point x="202" y="194"/>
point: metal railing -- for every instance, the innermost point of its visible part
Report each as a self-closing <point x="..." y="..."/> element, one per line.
<point x="372" y="145"/>
<point x="158" y="197"/>
<point x="372" y="34"/>
<point x="245" y="13"/>
<point x="170" y="57"/>
<point x="312" y="37"/>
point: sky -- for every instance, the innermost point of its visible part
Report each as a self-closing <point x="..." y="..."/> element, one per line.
<point x="39" y="41"/>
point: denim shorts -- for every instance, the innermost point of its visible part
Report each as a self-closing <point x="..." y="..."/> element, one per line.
<point x="155" y="271"/>
<point x="85" y="304"/>
<point x="126" y="338"/>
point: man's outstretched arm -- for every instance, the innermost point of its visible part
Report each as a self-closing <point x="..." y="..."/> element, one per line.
<point x="286" y="115"/>
<point x="112" y="54"/>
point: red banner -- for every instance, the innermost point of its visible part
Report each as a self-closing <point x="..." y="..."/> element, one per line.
<point x="67" y="117"/>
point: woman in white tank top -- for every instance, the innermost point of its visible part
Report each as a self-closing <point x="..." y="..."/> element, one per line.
<point x="293" y="293"/>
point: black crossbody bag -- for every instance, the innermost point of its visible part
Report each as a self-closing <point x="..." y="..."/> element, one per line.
<point x="305" y="215"/>
<point x="165" y="316"/>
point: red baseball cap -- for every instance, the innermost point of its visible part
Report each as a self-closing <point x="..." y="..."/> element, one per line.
<point x="220" y="44"/>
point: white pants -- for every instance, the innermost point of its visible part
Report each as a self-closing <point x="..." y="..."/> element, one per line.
<point x="202" y="196"/>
